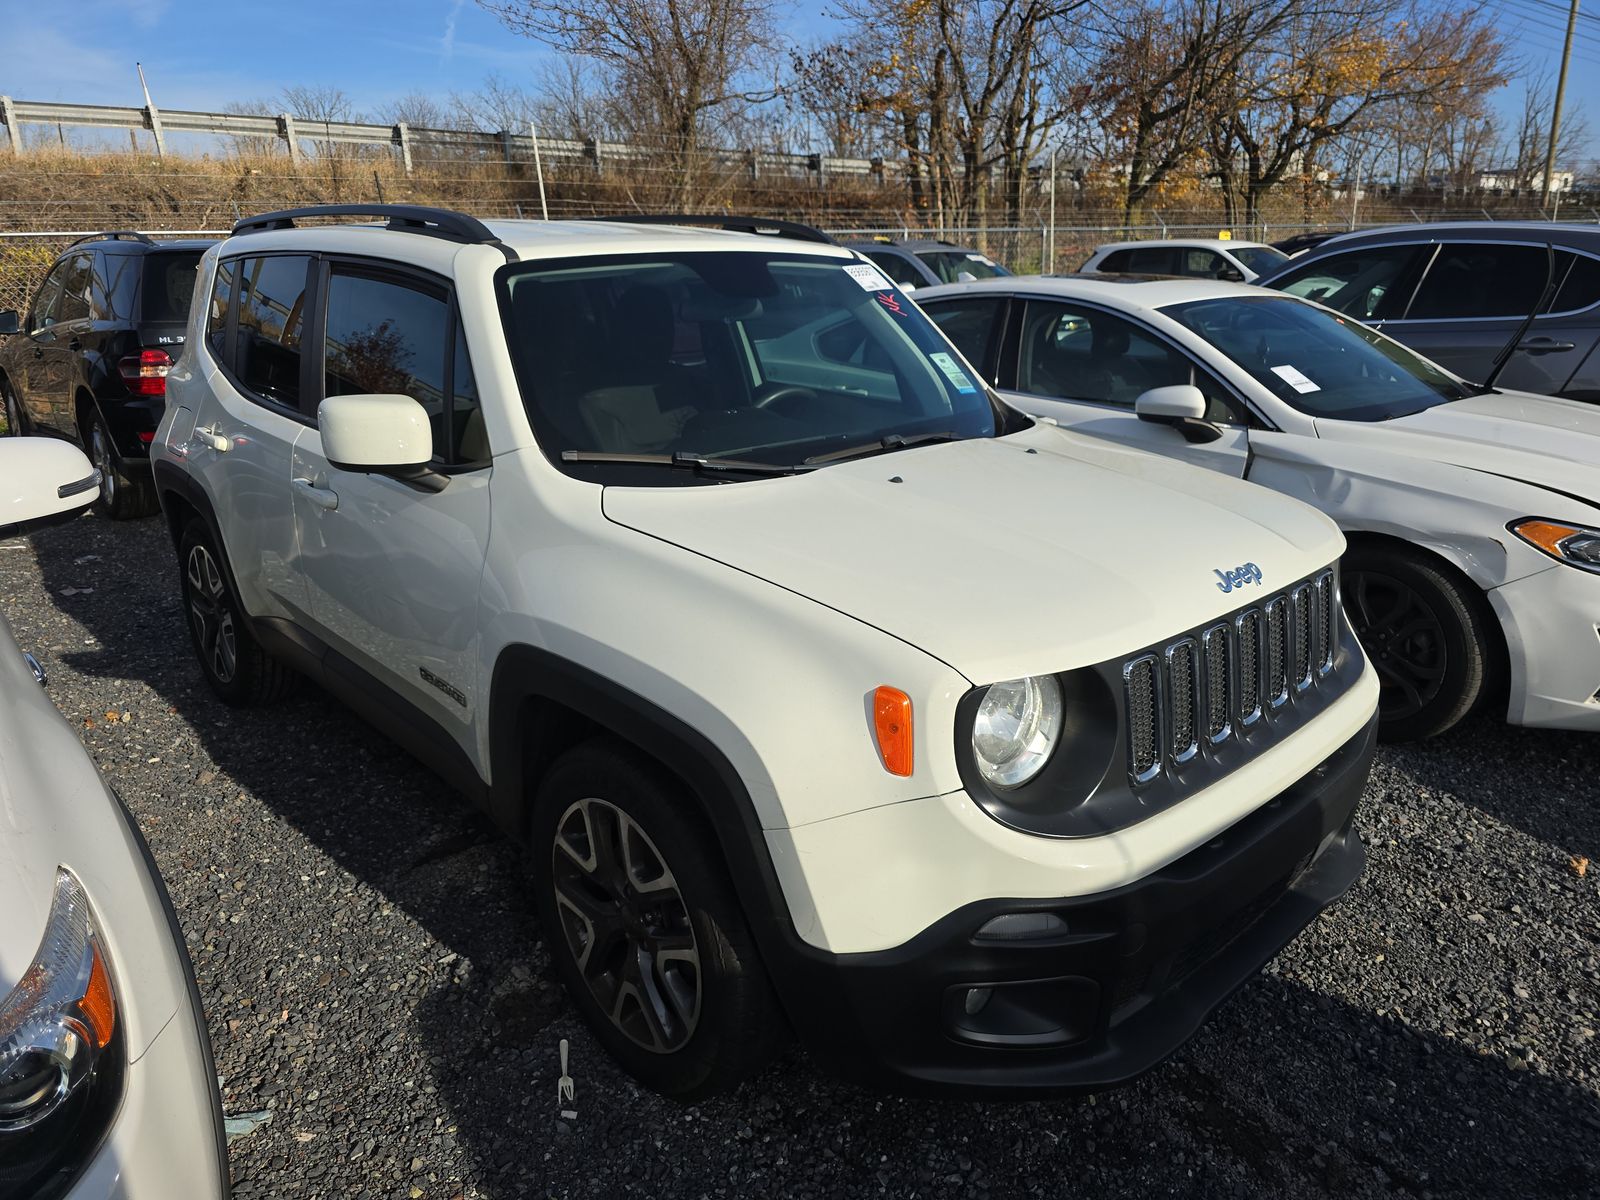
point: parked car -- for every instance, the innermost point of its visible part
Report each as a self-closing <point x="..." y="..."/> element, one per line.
<point x="1472" y="517"/>
<point x="680" y="550"/>
<point x="1457" y="293"/>
<point x="107" y="1087"/>
<point x="1203" y="258"/>
<point x="88" y="361"/>
<point x="1299" y="243"/>
<point x="916" y="263"/>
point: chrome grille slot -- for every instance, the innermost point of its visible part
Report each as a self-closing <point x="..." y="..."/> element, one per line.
<point x="1276" y="684"/>
<point x="1247" y="630"/>
<point x="1219" y="682"/>
<point x="1144" y="746"/>
<point x="1327" y="622"/>
<point x="1305" y="624"/>
<point x="1184" y="700"/>
<point x="1201" y="697"/>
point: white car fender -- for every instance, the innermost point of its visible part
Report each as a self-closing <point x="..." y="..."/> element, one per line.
<point x="1457" y="513"/>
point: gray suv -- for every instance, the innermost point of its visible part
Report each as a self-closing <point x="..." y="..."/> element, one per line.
<point x="1457" y="292"/>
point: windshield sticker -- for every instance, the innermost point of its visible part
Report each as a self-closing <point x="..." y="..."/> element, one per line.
<point x="983" y="258"/>
<point x="869" y="277"/>
<point x="1295" y="379"/>
<point x="953" y="373"/>
<point x="889" y="301"/>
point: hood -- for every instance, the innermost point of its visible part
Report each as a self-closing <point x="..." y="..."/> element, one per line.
<point x="1542" y="440"/>
<point x="1037" y="552"/>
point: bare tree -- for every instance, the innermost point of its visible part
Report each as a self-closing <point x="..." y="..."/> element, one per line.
<point x="682" y="70"/>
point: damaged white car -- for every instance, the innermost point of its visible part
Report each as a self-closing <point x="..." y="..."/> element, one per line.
<point x="1473" y="514"/>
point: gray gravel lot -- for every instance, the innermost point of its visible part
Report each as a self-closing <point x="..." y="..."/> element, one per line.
<point x="375" y="982"/>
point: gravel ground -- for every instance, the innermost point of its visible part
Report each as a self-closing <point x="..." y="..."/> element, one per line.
<point x="374" y="979"/>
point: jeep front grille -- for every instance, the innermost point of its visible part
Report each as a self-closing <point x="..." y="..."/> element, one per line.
<point x="1190" y="696"/>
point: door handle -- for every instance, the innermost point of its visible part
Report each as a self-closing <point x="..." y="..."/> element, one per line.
<point x="1544" y="345"/>
<point x="324" y="498"/>
<point x="211" y="439"/>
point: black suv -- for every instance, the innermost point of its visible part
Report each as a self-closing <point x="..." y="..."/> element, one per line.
<point x="89" y="361"/>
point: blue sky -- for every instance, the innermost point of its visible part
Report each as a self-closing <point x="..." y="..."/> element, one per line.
<point x="83" y="51"/>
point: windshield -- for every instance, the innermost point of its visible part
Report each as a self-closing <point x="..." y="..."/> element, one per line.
<point x="1259" y="259"/>
<point x="755" y="357"/>
<point x="951" y="265"/>
<point x="1317" y="361"/>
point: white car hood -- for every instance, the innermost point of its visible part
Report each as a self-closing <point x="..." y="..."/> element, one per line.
<point x="1542" y="440"/>
<point x="1037" y="552"/>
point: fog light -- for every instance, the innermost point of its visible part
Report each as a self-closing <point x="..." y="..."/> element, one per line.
<point x="976" y="999"/>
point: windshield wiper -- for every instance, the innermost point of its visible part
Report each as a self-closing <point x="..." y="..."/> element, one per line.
<point x="682" y="460"/>
<point x="884" y="445"/>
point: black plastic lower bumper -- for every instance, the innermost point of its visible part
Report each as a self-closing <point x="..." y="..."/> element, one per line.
<point x="1110" y="986"/>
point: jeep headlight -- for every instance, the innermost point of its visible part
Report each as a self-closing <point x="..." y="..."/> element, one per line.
<point x="1016" y="727"/>
<point x="1572" y="544"/>
<point x="60" y="1053"/>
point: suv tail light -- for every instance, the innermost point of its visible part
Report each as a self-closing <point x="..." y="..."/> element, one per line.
<point x="146" y="372"/>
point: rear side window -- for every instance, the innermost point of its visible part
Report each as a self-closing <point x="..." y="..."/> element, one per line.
<point x="1480" y="279"/>
<point x="1581" y="287"/>
<point x="271" y="321"/>
<point x="1369" y="284"/>
<point x="75" y="290"/>
<point x="221" y="308"/>
<point x="168" y="287"/>
<point x="1152" y="260"/>
<point x="392" y="336"/>
<point x="1115" y="262"/>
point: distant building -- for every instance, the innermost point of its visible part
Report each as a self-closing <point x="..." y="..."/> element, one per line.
<point x="1503" y="180"/>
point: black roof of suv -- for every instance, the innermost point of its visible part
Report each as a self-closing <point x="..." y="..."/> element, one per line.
<point x="88" y="360"/>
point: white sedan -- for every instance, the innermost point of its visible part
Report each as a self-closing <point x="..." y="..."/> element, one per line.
<point x="1473" y="517"/>
<point x="1200" y="258"/>
<point x="107" y="1088"/>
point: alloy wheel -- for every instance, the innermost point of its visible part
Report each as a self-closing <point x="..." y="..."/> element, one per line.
<point x="1404" y="638"/>
<point x="211" y="611"/>
<point x="627" y="925"/>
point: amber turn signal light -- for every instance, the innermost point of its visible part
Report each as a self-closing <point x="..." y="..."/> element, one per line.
<point x="891" y="719"/>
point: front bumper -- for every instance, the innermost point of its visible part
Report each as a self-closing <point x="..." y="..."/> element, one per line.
<point x="1551" y="621"/>
<point x="1131" y="977"/>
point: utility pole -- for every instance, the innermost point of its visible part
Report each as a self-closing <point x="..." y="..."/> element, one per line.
<point x="1555" y="116"/>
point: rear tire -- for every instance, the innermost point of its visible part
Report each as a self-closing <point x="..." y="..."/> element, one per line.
<point x="16" y="422"/>
<point x="1427" y="635"/>
<point x="239" y="671"/>
<point x="644" y="927"/>
<point x="123" y="496"/>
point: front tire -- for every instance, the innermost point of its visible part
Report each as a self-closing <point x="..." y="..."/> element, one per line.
<point x="1427" y="635"/>
<point x="123" y="496"/>
<point x="643" y="925"/>
<point x="239" y="671"/>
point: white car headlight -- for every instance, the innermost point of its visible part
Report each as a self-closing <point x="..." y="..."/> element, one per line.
<point x="60" y="1056"/>
<point x="1017" y="726"/>
<point x="1572" y="544"/>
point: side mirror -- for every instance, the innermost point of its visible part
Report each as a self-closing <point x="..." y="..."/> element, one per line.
<point x="382" y="434"/>
<point x="10" y="322"/>
<point x="908" y="288"/>
<point x="1231" y="275"/>
<point x="43" y="481"/>
<point x="1183" y="406"/>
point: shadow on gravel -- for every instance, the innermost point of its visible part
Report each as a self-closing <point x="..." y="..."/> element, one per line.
<point x="1541" y="781"/>
<point x="1286" y="1092"/>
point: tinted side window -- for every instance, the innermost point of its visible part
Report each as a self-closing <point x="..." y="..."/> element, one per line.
<point x="384" y="336"/>
<point x="898" y="269"/>
<point x="75" y="287"/>
<point x="1084" y="354"/>
<point x="1364" y="284"/>
<point x="1154" y="260"/>
<point x="1472" y="279"/>
<point x="973" y="324"/>
<point x="1581" y="287"/>
<point x="47" y="299"/>
<point x="1115" y="262"/>
<point x="222" y="300"/>
<point x="271" y="300"/>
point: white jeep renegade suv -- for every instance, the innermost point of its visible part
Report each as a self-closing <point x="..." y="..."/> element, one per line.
<point x="829" y="694"/>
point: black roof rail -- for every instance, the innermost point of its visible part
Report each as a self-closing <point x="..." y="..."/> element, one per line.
<point x="734" y="224"/>
<point x="114" y="235"/>
<point x="401" y="218"/>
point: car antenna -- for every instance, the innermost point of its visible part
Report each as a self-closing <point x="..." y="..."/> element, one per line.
<point x="1545" y="297"/>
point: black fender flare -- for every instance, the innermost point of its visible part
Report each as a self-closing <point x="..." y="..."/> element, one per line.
<point x="524" y="674"/>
